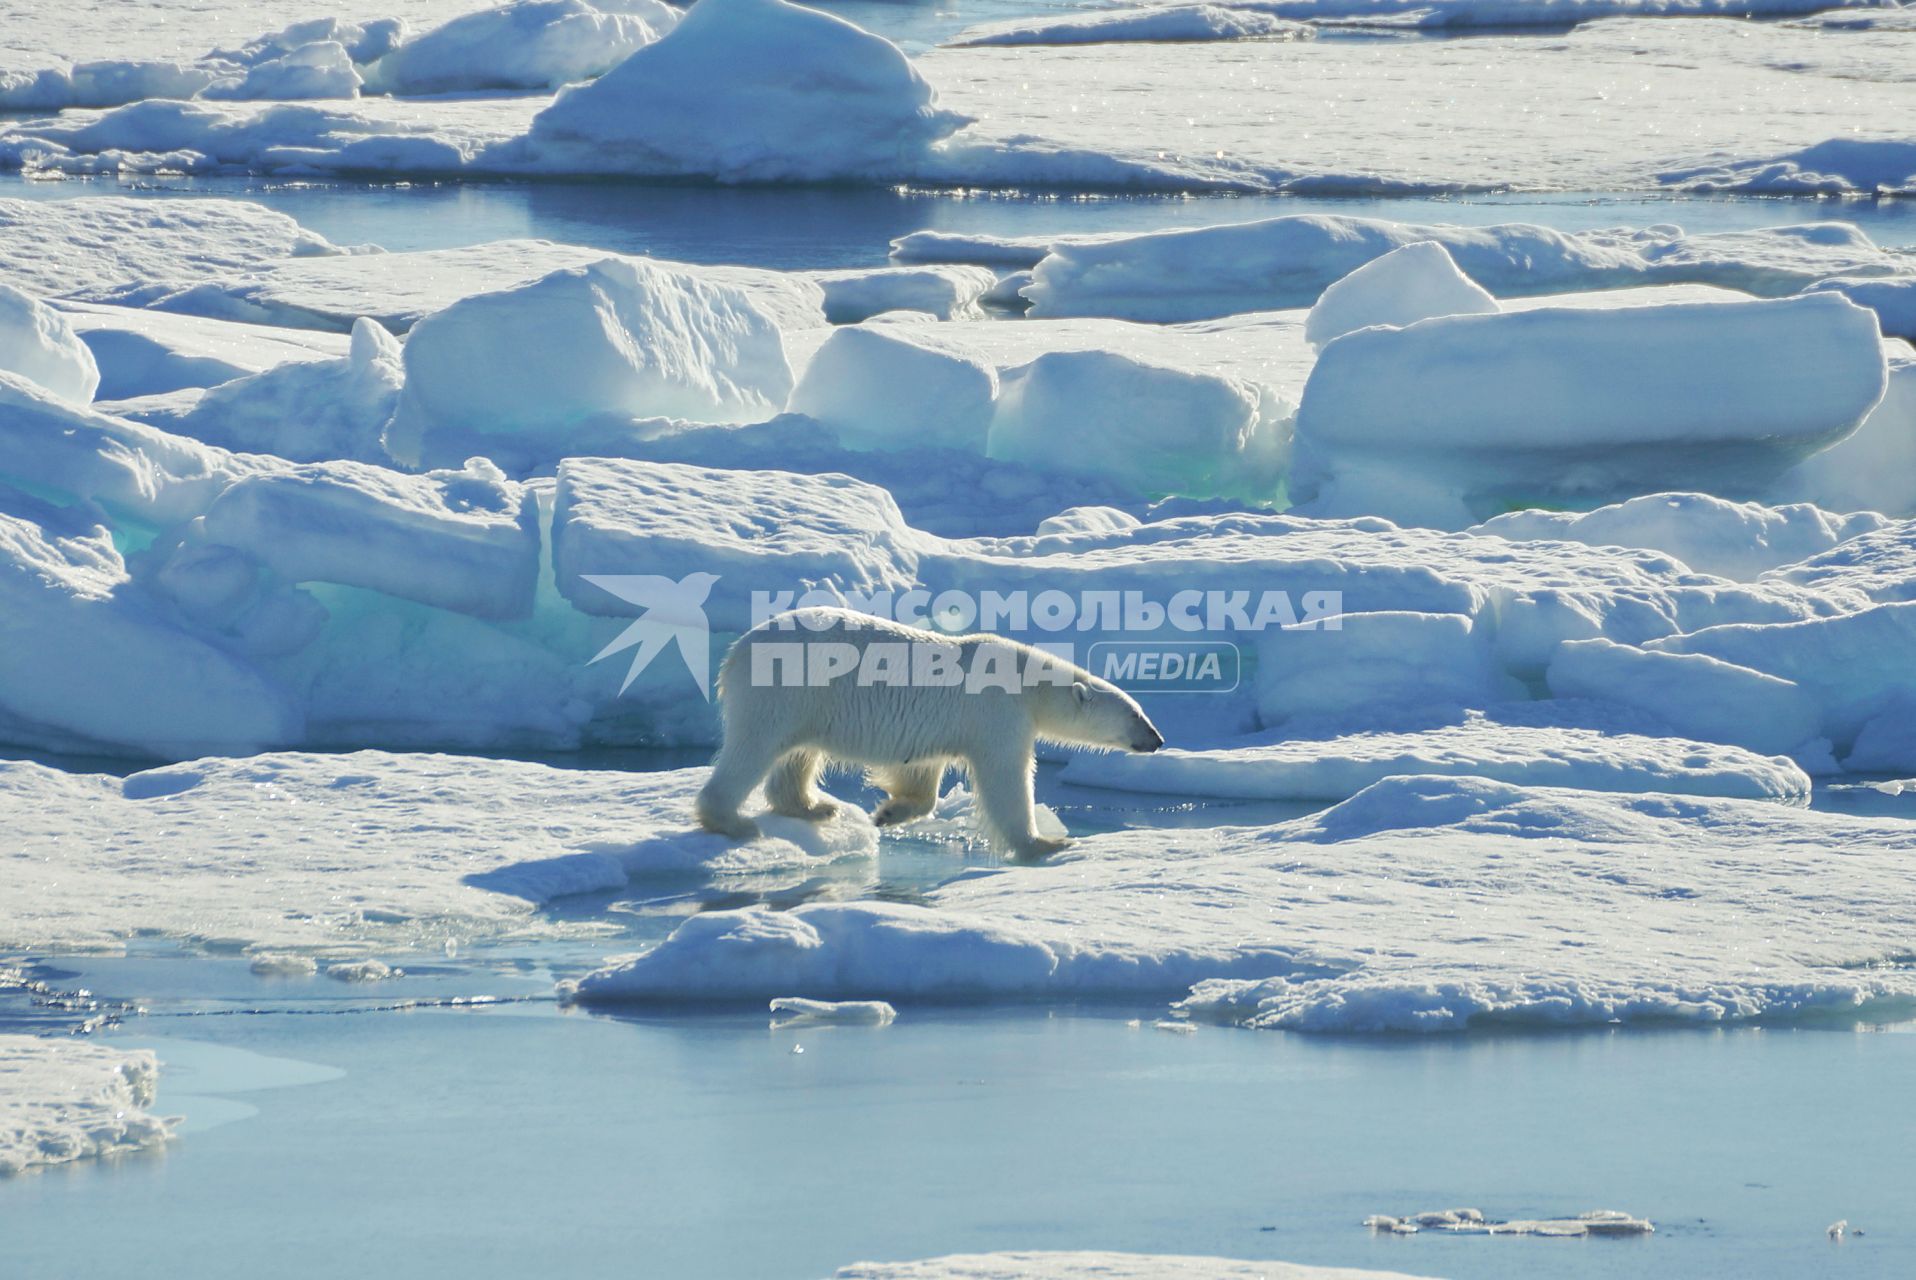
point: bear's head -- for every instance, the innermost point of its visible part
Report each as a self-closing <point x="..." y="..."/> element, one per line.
<point x="1090" y="712"/>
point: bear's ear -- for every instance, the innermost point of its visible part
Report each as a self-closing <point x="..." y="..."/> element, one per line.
<point x="1082" y="690"/>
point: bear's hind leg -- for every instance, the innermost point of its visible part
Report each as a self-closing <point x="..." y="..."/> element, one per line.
<point x="911" y="791"/>
<point x="740" y="764"/>
<point x="1005" y="806"/>
<point x="792" y="790"/>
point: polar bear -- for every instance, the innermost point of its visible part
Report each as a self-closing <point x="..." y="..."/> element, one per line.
<point x="818" y="685"/>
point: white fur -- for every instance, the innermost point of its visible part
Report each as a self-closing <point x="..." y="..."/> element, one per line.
<point x="905" y="736"/>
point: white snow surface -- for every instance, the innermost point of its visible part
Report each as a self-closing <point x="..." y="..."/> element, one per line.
<point x="1417" y="282"/>
<point x="1739" y="540"/>
<point x="1840" y="166"/>
<point x="517" y="373"/>
<point x="1587" y="747"/>
<point x="71" y="1099"/>
<point x="526" y="44"/>
<point x="1157" y="24"/>
<point x="1119" y="116"/>
<point x="341" y="854"/>
<point x="60" y="248"/>
<point x="748" y="90"/>
<point x="1429" y="423"/>
<point x="1420" y="904"/>
<point x="39" y="344"/>
<point x="1288" y="261"/>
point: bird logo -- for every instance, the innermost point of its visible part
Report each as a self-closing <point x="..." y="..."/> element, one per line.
<point x="674" y="614"/>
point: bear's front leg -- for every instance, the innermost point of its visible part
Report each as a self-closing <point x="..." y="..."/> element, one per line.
<point x="1005" y="806"/>
<point x="911" y="791"/>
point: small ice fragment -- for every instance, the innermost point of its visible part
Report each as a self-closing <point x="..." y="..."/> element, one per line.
<point x="1838" y="1229"/>
<point x="1172" y="1024"/>
<point x="362" y="971"/>
<point x="276" y="965"/>
<point x="798" y="1048"/>
<point x="1599" y="1222"/>
<point x="866" y="1013"/>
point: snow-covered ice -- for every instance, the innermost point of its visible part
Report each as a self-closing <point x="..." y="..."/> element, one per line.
<point x="1740" y="540"/>
<point x="791" y="1011"/>
<point x="39" y="344"/>
<point x="1433" y="422"/>
<point x="622" y="338"/>
<point x="1472" y="1222"/>
<point x="1155" y="429"/>
<point x="1420" y="904"/>
<point x="748" y="90"/>
<point x="1588" y="747"/>
<point x="1157" y="24"/>
<point x="1416" y="282"/>
<point x="339" y="854"/>
<point x="525" y="44"/>
<point x="63" y="1100"/>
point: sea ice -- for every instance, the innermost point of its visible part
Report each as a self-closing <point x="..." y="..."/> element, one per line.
<point x="880" y="389"/>
<point x="1416" y="282"/>
<point x="1837" y="167"/>
<point x="1564" y="744"/>
<point x="390" y="852"/>
<point x="1155" y="429"/>
<point x="622" y="338"/>
<point x="1893" y="300"/>
<point x="1698" y="696"/>
<point x="303" y="411"/>
<point x="40" y="345"/>
<point x="1874" y="468"/>
<point x="1739" y="540"/>
<point x="796" y="1011"/>
<point x="748" y="90"/>
<point x="1426" y="423"/>
<point x="1157" y="24"/>
<point x="63" y="1100"/>
<point x="1420" y="904"/>
<point x="527" y="44"/>
<point x="151" y="353"/>
<point x="63" y="248"/>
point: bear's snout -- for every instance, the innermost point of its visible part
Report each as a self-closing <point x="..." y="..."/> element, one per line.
<point x="1147" y="741"/>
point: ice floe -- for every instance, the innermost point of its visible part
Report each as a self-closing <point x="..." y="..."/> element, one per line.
<point x="748" y="90"/>
<point x="1838" y="167"/>
<point x="1740" y="540"/>
<point x="340" y="854"/>
<point x="1434" y="422"/>
<point x="1589" y="747"/>
<point x="1159" y="23"/>
<point x="622" y="337"/>
<point x="1416" y="282"/>
<point x="39" y="344"/>
<point x="527" y="44"/>
<point x="64" y="1100"/>
<point x="1155" y="429"/>
<point x="60" y="248"/>
<point x="1472" y="1222"/>
<point x="1420" y="904"/>
<point x="1206" y="272"/>
<point x="313" y="410"/>
<point x="153" y="353"/>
